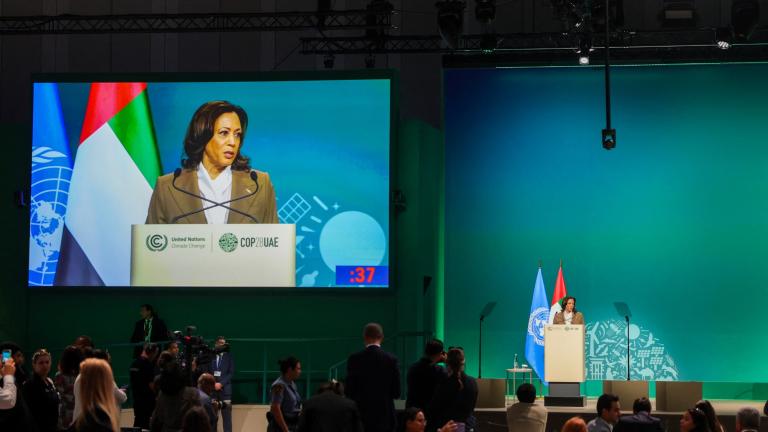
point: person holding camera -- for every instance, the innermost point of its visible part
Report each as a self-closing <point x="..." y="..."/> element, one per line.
<point x="283" y="415"/>
<point x="223" y="368"/>
<point x="206" y="385"/>
<point x="8" y="392"/>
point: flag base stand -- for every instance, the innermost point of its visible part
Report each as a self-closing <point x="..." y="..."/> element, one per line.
<point x="566" y="394"/>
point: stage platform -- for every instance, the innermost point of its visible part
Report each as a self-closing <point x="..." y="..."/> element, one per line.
<point x="251" y="418"/>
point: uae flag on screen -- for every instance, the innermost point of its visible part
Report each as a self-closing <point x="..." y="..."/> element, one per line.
<point x="116" y="167"/>
<point x="558" y="295"/>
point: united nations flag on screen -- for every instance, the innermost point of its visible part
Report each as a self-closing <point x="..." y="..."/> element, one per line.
<point x="51" y="174"/>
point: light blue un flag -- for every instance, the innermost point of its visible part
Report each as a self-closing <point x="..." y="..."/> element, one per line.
<point x="51" y="173"/>
<point x="534" y="340"/>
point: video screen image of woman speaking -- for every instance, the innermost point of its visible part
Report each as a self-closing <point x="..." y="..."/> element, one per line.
<point x="111" y="157"/>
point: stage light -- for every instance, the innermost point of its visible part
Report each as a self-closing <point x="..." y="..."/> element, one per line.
<point x="609" y="139"/>
<point x="328" y="61"/>
<point x="485" y="11"/>
<point x="745" y="15"/>
<point x="678" y="14"/>
<point x="450" y="21"/>
<point x="370" y="61"/>
<point x="584" y="48"/>
<point x="723" y="38"/>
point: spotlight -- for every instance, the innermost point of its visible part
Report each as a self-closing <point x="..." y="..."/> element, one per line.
<point x="584" y="48"/>
<point x="678" y="14"/>
<point x="745" y="14"/>
<point x="609" y="139"/>
<point x="450" y="21"/>
<point x="723" y="38"/>
<point x="485" y="11"/>
<point x="370" y="61"/>
<point x="328" y="61"/>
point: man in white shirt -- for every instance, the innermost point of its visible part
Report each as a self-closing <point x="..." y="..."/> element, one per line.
<point x="526" y="416"/>
<point x="8" y="390"/>
<point x="608" y="413"/>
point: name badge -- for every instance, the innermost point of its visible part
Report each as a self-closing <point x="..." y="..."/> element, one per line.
<point x="217" y="373"/>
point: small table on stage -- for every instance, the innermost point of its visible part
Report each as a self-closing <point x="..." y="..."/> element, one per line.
<point x="514" y="372"/>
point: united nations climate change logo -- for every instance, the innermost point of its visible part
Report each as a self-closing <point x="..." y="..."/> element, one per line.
<point x="157" y="242"/>
<point x="536" y="322"/>
<point x="228" y="242"/>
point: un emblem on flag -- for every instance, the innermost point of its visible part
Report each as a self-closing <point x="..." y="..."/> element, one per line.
<point x="536" y="322"/>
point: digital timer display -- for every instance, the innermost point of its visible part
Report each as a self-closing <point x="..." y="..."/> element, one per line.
<point x="362" y="275"/>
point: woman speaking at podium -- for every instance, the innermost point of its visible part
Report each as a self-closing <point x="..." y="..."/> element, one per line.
<point x="216" y="184"/>
<point x="569" y="315"/>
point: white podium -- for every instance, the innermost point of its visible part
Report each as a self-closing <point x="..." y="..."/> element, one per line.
<point x="237" y="255"/>
<point x="564" y="366"/>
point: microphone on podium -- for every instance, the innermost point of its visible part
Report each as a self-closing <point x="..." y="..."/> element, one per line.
<point x="177" y="173"/>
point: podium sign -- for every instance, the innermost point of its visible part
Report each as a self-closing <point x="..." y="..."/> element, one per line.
<point x="564" y="354"/>
<point x="237" y="255"/>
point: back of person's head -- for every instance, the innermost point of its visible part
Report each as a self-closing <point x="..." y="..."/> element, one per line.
<point x="151" y="348"/>
<point x="172" y="380"/>
<point x="99" y="354"/>
<point x="699" y="419"/>
<point x="83" y="341"/>
<point x="604" y="402"/>
<point x="433" y="348"/>
<point x="373" y="332"/>
<point x="196" y="420"/>
<point x="287" y="364"/>
<point x="574" y="424"/>
<point x="97" y="392"/>
<point x="712" y="422"/>
<point x="641" y="404"/>
<point x="747" y="418"/>
<point x="455" y="362"/>
<point x="206" y="383"/>
<point x="165" y="357"/>
<point x="526" y="393"/>
<point x="69" y="363"/>
<point x="331" y="386"/>
<point x="13" y="346"/>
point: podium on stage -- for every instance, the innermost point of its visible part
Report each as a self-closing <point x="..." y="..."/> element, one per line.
<point x="237" y="255"/>
<point x="564" y="364"/>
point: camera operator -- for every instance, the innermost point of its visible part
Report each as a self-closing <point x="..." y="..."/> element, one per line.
<point x="142" y="375"/>
<point x="223" y="368"/>
<point x="206" y="385"/>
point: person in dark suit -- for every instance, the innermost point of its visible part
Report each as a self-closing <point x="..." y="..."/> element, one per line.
<point x="425" y="375"/>
<point x="455" y="397"/>
<point x="223" y="368"/>
<point x="330" y="411"/>
<point x="640" y="420"/>
<point x="149" y="329"/>
<point x="373" y="382"/>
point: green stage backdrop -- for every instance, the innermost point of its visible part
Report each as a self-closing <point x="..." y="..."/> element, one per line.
<point x="674" y="221"/>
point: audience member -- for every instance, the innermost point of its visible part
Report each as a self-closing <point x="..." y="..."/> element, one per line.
<point x="196" y="420"/>
<point x="525" y="415"/>
<point x="142" y="375"/>
<point x="455" y="397"/>
<point x="574" y="424"/>
<point x="85" y="343"/>
<point x="150" y="328"/>
<point x="223" y="369"/>
<point x="329" y="411"/>
<point x="17" y="355"/>
<point x="174" y="399"/>
<point x="69" y="368"/>
<point x="40" y="393"/>
<point x="99" y="407"/>
<point x="206" y="385"/>
<point x="373" y="382"/>
<point x="640" y="420"/>
<point x="415" y="421"/>
<point x="694" y="420"/>
<point x="424" y="375"/>
<point x="120" y="396"/>
<point x="286" y="401"/>
<point x="748" y="420"/>
<point x="608" y="413"/>
<point x="8" y="389"/>
<point x="765" y="408"/>
<point x="712" y="422"/>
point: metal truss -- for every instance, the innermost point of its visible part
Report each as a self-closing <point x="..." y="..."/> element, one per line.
<point x="524" y="42"/>
<point x="204" y="22"/>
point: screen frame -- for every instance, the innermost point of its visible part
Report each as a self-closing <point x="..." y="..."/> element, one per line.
<point x="394" y="116"/>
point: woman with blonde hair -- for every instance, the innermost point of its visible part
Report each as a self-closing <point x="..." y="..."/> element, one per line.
<point x="99" y="410"/>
